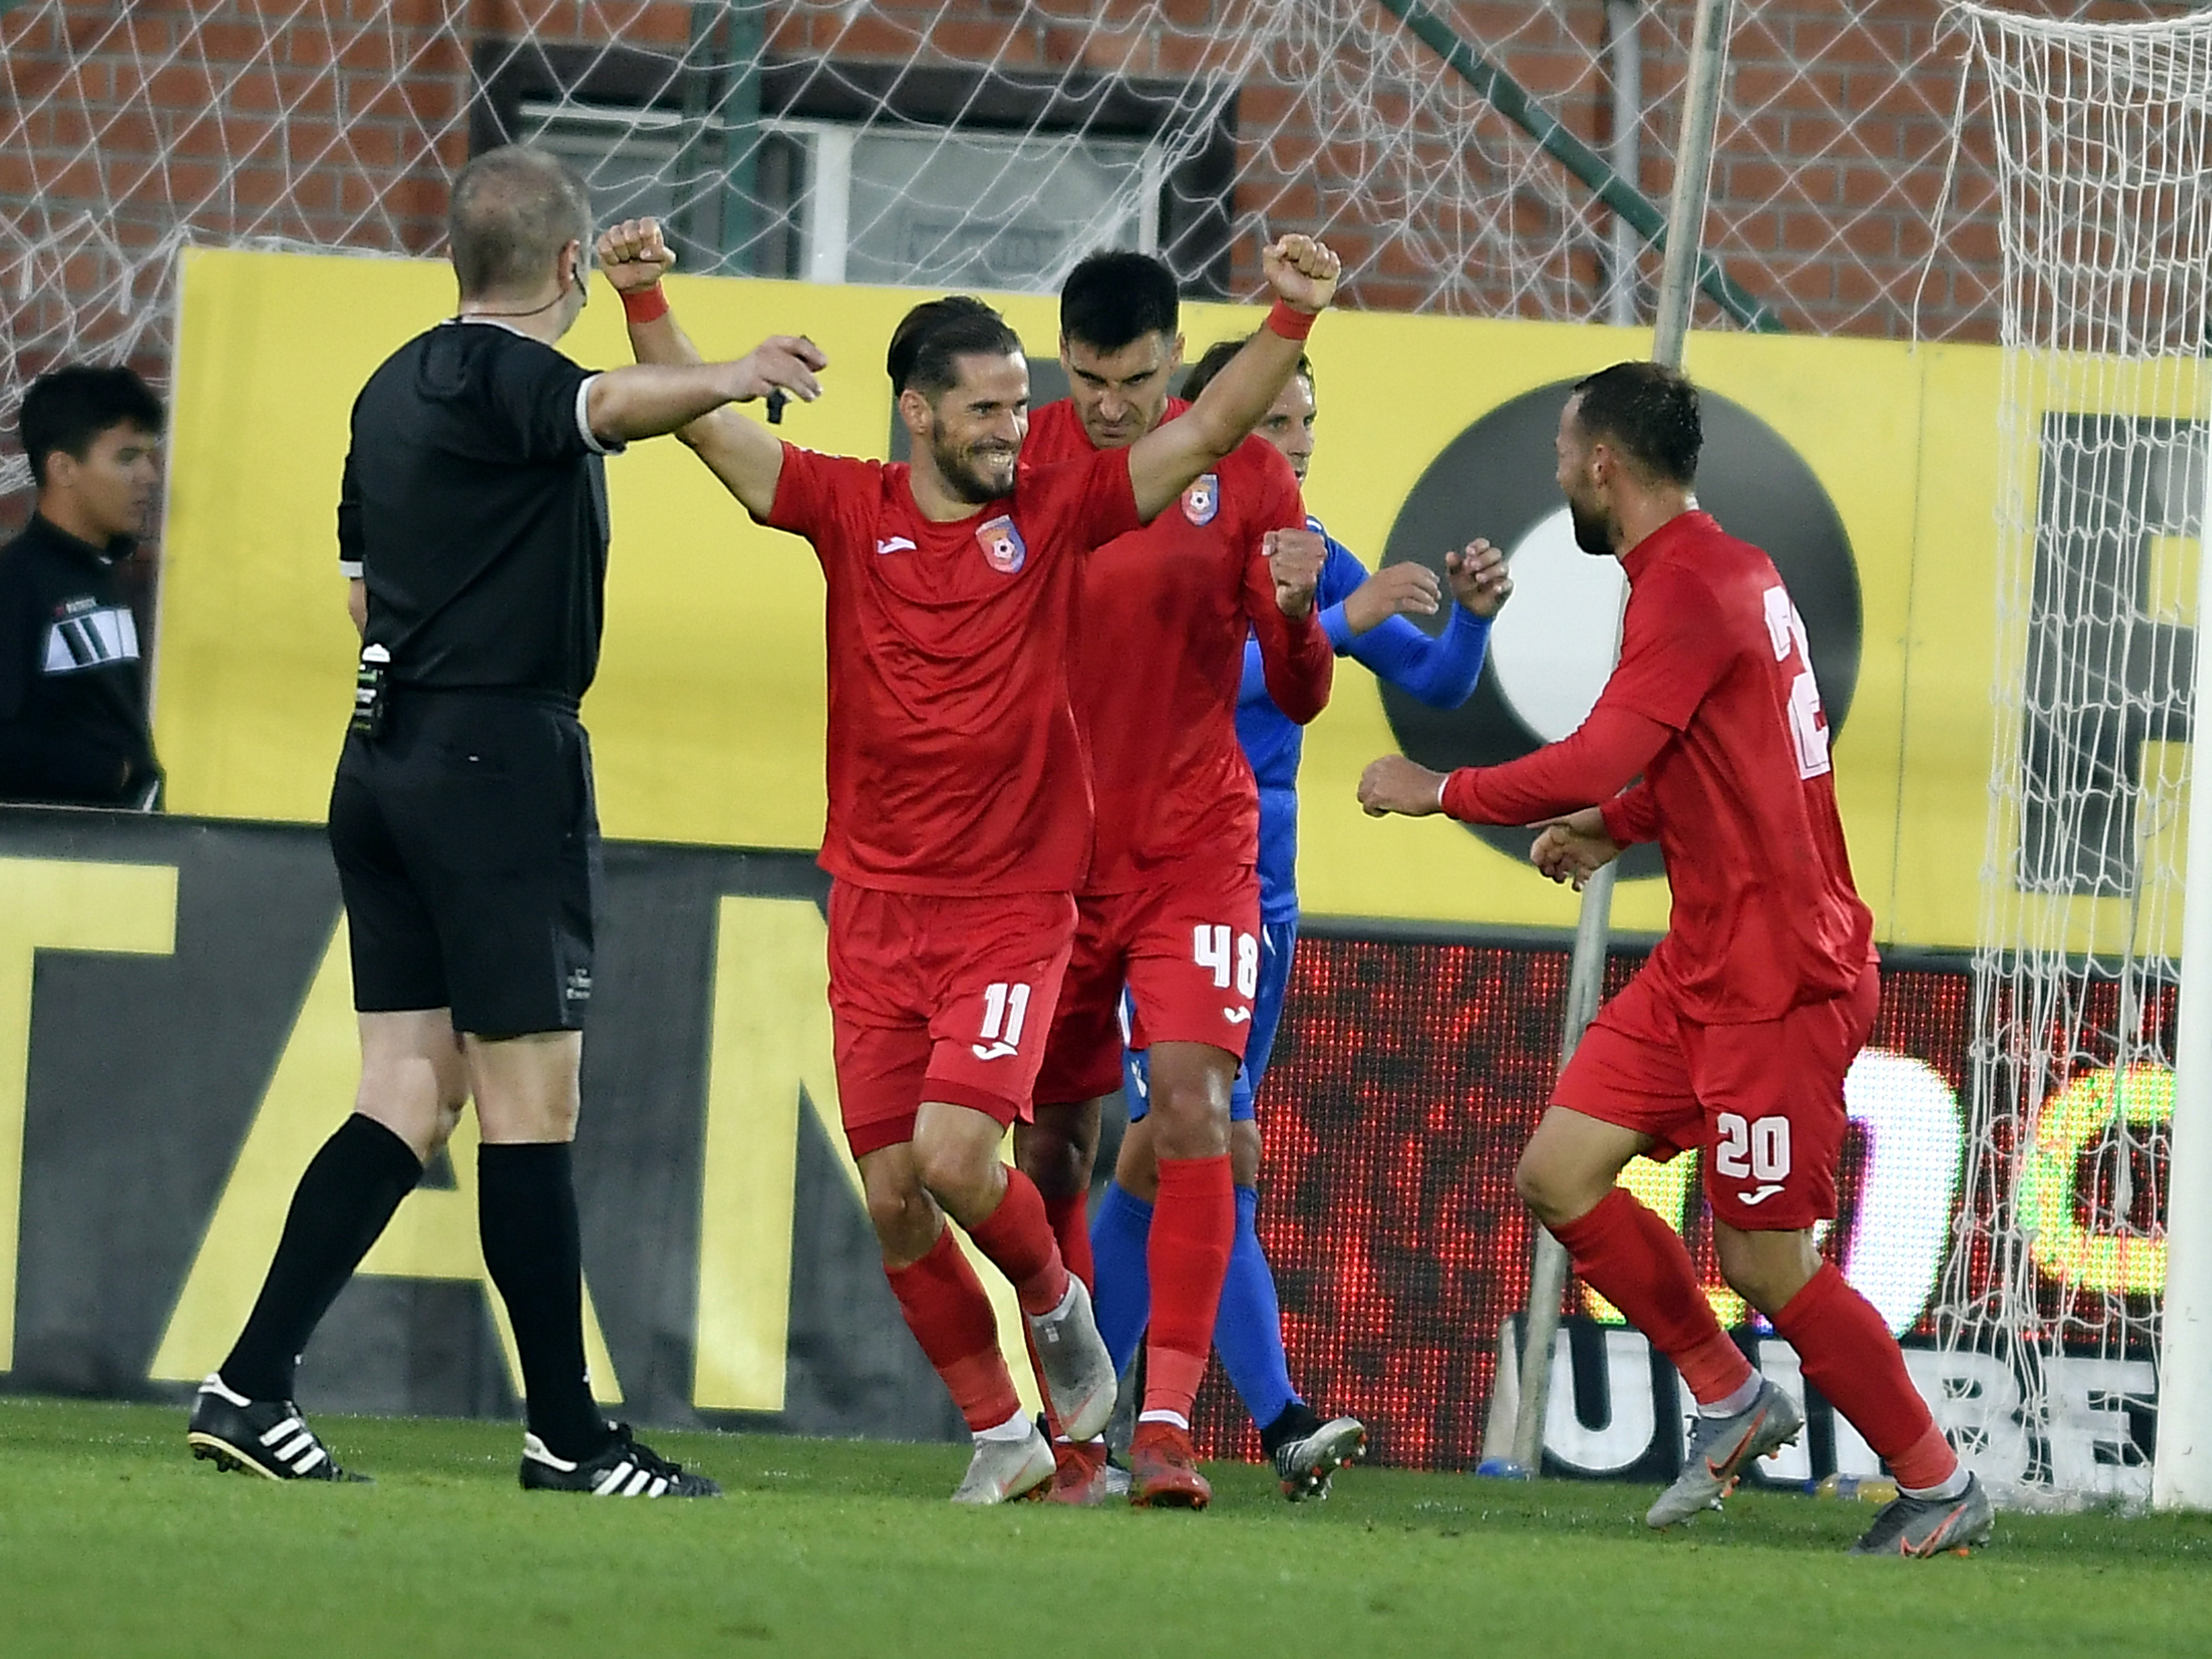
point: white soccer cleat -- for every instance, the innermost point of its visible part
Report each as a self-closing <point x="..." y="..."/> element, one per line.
<point x="1077" y="1370"/>
<point x="1003" y="1470"/>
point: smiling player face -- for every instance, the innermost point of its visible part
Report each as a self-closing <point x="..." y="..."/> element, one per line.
<point x="1120" y="396"/>
<point x="976" y="428"/>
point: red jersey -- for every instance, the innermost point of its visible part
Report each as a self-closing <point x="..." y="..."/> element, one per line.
<point x="1160" y="655"/>
<point x="1741" y="799"/>
<point x="953" y="762"/>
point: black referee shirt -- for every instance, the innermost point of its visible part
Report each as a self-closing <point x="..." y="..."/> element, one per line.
<point x="73" y="725"/>
<point x="475" y="506"/>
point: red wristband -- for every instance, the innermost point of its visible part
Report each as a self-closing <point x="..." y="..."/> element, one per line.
<point x="1287" y="320"/>
<point x="645" y="304"/>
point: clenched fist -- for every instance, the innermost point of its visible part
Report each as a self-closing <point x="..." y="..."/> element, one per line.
<point x="1295" y="556"/>
<point x="635" y="255"/>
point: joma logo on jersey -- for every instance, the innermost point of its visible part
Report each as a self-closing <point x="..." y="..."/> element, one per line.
<point x="1003" y="546"/>
<point x="1202" y="499"/>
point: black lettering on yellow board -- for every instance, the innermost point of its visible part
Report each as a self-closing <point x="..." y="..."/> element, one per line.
<point x="770" y="1049"/>
<point x="434" y="1236"/>
<point x="59" y="904"/>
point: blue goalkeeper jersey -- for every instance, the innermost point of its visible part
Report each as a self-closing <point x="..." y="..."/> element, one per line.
<point x="1441" y="671"/>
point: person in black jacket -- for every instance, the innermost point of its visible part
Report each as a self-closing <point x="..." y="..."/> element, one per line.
<point x="73" y="726"/>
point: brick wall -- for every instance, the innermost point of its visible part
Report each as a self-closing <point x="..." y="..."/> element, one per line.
<point x="127" y="129"/>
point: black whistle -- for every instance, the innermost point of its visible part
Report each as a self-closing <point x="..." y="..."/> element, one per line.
<point x="777" y="398"/>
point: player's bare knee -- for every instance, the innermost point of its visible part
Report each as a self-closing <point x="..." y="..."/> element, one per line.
<point x="967" y="1182"/>
<point x="1767" y="1269"/>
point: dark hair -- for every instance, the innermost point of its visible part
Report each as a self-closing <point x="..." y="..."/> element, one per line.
<point x="69" y="408"/>
<point x="1215" y="358"/>
<point x="1110" y="300"/>
<point x="1650" y="412"/>
<point x="935" y="333"/>
<point x="513" y="210"/>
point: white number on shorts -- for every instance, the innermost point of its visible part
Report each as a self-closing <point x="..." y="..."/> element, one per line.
<point x="1004" y="1008"/>
<point x="1210" y="948"/>
<point x="1750" y="1151"/>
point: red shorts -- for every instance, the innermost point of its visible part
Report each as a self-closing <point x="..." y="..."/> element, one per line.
<point x="1766" y="1099"/>
<point x="1187" y="948"/>
<point x="940" y="999"/>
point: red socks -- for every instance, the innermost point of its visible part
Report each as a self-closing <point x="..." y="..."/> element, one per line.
<point x="1017" y="1239"/>
<point x="949" y="1316"/>
<point x="1638" y="1262"/>
<point x="1193" y="1224"/>
<point x="1848" y="1354"/>
<point x="1071" y="1225"/>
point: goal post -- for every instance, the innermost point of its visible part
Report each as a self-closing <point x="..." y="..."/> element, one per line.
<point x="2076" y="1311"/>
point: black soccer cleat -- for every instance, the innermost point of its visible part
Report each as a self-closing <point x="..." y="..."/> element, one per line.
<point x="624" y="1469"/>
<point x="1307" y="1451"/>
<point x="267" y="1438"/>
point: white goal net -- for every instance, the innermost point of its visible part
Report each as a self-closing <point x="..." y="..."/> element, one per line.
<point x="2049" y="1315"/>
<point x="984" y="144"/>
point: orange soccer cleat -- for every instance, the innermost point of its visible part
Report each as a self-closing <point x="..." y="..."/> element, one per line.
<point x="1164" y="1470"/>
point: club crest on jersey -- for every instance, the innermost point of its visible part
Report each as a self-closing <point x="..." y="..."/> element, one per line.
<point x="1003" y="546"/>
<point x="1202" y="500"/>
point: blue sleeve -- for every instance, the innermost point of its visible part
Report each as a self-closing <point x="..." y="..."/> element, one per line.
<point x="1440" y="671"/>
<point x="1341" y="573"/>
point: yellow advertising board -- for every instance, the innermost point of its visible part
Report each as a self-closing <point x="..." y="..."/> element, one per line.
<point x="708" y="717"/>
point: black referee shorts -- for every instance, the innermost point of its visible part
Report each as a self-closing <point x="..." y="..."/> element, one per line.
<point x="468" y="853"/>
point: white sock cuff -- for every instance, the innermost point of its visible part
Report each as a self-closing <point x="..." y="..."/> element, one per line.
<point x="1729" y="1405"/>
<point x="1954" y="1488"/>
<point x="1017" y="1427"/>
<point x="1175" y="1418"/>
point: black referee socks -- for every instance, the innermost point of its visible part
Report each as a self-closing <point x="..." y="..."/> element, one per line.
<point x="343" y="1203"/>
<point x="527" y="1209"/>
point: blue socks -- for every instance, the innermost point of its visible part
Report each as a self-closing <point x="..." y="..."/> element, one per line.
<point x="1121" y="1300"/>
<point x="1248" y="1332"/>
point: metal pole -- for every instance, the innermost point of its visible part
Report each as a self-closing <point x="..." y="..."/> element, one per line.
<point x="1626" y="52"/>
<point x="1686" y="222"/>
<point x="2181" y="1470"/>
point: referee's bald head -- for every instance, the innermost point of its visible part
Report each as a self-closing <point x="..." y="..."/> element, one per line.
<point x="514" y="210"/>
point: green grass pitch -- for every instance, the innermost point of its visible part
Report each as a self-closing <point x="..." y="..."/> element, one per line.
<point x="114" y="1541"/>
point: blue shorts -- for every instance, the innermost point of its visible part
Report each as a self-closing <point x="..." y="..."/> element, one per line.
<point x="1279" y="945"/>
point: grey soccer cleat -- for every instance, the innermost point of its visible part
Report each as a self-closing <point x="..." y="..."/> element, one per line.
<point x="1304" y="1465"/>
<point x="1003" y="1470"/>
<point x="1917" y="1527"/>
<point x="1077" y="1370"/>
<point x="1719" y="1448"/>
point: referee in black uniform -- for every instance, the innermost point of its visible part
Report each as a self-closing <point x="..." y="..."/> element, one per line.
<point x="472" y="522"/>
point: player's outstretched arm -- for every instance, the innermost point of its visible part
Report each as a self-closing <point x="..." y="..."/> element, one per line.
<point x="1609" y="751"/>
<point x="1168" y="458"/>
<point x="745" y="455"/>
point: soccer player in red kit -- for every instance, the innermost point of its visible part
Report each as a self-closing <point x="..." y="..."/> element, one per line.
<point x="1170" y="908"/>
<point x="1734" y="1036"/>
<point x="960" y="817"/>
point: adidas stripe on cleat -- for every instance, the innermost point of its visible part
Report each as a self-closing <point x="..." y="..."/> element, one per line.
<point x="267" y="1438"/>
<point x="1303" y="1464"/>
<point x="624" y="1469"/>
